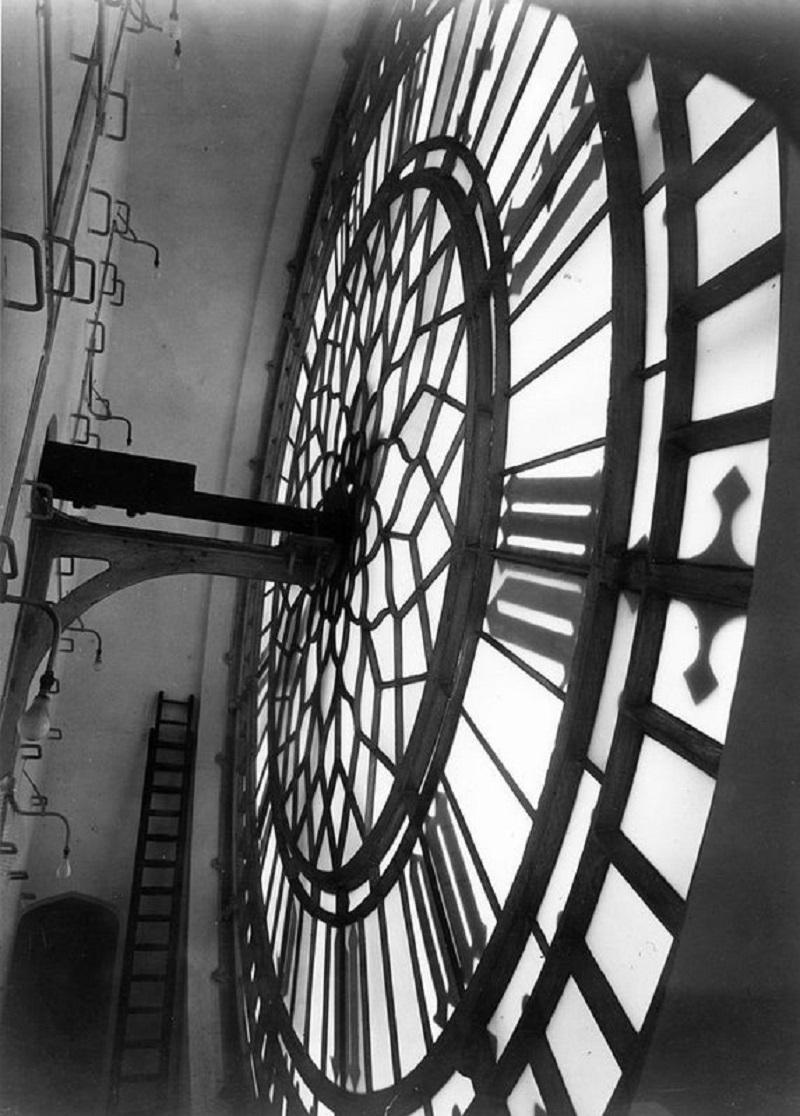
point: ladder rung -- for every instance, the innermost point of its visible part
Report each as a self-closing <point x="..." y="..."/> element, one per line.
<point x="159" y="766"/>
<point x="160" y="788"/>
<point x="152" y="889"/>
<point x="154" y="918"/>
<point x="151" y="947"/>
<point x="172" y="720"/>
<point x="159" y="863"/>
<point x="151" y="978"/>
<point x="164" y="838"/>
<point x="164" y="813"/>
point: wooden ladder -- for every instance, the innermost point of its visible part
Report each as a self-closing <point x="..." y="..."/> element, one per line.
<point x="143" y="1059"/>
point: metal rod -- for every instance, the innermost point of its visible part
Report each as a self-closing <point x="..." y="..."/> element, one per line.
<point x="8" y="797"/>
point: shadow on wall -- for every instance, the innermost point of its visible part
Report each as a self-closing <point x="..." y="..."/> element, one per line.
<point x="56" y="1020"/>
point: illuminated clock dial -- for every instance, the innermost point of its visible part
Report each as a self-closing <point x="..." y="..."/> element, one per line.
<point x="398" y="424"/>
<point x="457" y="732"/>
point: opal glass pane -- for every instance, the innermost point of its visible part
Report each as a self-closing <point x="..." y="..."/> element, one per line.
<point x="550" y="64"/>
<point x="647" y="466"/>
<point x="317" y="994"/>
<point x="517" y="717"/>
<point x="576" y="296"/>
<point x="656" y="266"/>
<point x="629" y="944"/>
<point x="579" y="195"/>
<point x="737" y="353"/>
<point x="377" y="1028"/>
<point x="497" y="821"/>
<point x="737" y="474"/>
<point x="588" y="1067"/>
<point x="739" y="212"/>
<point x="411" y="1042"/>
<point x="685" y="643"/>
<point x="418" y="945"/>
<point x="525" y="1099"/>
<point x="711" y="107"/>
<point x="512" y="78"/>
<point x="458" y="1091"/>
<point x="666" y="813"/>
<point x="567" y="863"/>
<point x="644" y="111"/>
<point x="535" y="616"/>
<point x="519" y="987"/>
<point x="616" y="670"/>
<point x="563" y="407"/>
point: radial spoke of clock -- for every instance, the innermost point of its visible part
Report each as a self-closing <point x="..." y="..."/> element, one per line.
<point x="507" y="778"/>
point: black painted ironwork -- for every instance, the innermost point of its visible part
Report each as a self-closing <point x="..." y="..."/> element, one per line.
<point x="151" y="1003"/>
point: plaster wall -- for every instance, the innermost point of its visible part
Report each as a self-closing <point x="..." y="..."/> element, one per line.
<point x="216" y="170"/>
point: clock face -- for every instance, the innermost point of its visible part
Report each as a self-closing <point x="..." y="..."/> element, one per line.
<point x="479" y="763"/>
<point x="399" y="427"/>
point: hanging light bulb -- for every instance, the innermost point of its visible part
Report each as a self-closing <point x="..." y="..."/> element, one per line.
<point x="64" y="870"/>
<point x="175" y="35"/>
<point x="98" y="660"/>
<point x="34" y="724"/>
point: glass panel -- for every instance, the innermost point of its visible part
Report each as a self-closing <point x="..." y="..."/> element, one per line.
<point x="413" y="898"/>
<point x="471" y="50"/>
<point x="739" y="212"/>
<point x="302" y="976"/>
<point x="578" y="195"/>
<point x="552" y="507"/>
<point x="724" y="497"/>
<point x="497" y="821"/>
<point x="563" y="407"/>
<point x="647" y="467"/>
<point x="711" y="107"/>
<point x="587" y="1065"/>
<point x="525" y="1099"/>
<point x="377" y="1026"/>
<point x="614" y="681"/>
<point x="469" y="914"/>
<point x="318" y="994"/>
<point x="535" y="616"/>
<point x="629" y="944"/>
<point x="644" y="111"/>
<point x="406" y="1006"/>
<point x="435" y="49"/>
<point x="577" y="295"/>
<point x="667" y="811"/>
<point x="510" y="84"/>
<point x="519" y="987"/>
<point x="570" y="853"/>
<point x="458" y="1092"/>
<point x="737" y="353"/>
<point x="517" y="717"/>
<point x="491" y="70"/>
<point x="698" y="665"/>
<point x="305" y="1094"/>
<point x="550" y="64"/>
<point x="656" y="263"/>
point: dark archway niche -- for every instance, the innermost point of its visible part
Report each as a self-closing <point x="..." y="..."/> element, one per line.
<point x="55" y="1024"/>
